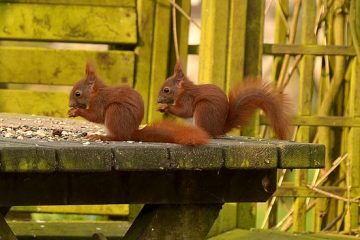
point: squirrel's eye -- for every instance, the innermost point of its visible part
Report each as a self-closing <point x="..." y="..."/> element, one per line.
<point x="166" y="90"/>
<point x="77" y="93"/>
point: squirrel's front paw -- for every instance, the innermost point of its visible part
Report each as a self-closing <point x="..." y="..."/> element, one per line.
<point x="163" y="108"/>
<point x="73" y="112"/>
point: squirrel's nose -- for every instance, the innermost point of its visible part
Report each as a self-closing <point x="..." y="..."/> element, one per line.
<point x="159" y="99"/>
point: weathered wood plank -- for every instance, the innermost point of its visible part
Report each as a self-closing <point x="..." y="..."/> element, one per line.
<point x="182" y="222"/>
<point x="90" y="158"/>
<point x="301" y="154"/>
<point x="295" y="49"/>
<point x="256" y="234"/>
<point x="291" y="191"/>
<point x="151" y="157"/>
<point x="63" y="67"/>
<point x="108" y="3"/>
<point x="113" y="230"/>
<point x="196" y="158"/>
<point x="116" y="187"/>
<point x="68" y="23"/>
<point x="305" y="104"/>
<point x="213" y="48"/>
<point x="5" y="231"/>
<point x="50" y="188"/>
<point x="238" y="153"/>
<point x="329" y="121"/>
<point x="110" y="209"/>
<point x="352" y="216"/>
<point x="145" y="24"/>
<point x="52" y="103"/>
<point x="160" y="56"/>
<point x="289" y="154"/>
<point x="236" y="43"/>
<point x="167" y="156"/>
<point x="25" y="158"/>
<point x="252" y="156"/>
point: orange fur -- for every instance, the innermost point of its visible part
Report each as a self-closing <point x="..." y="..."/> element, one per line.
<point x="214" y="112"/>
<point x="121" y="110"/>
<point x="171" y="132"/>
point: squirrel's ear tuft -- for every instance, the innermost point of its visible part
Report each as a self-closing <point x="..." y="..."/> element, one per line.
<point x="178" y="67"/>
<point x="90" y="69"/>
<point x="90" y="73"/>
<point x="179" y="73"/>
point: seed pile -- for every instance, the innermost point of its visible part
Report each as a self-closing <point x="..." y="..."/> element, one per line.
<point x="47" y="128"/>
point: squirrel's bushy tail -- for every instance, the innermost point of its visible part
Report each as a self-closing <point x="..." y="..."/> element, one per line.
<point x="171" y="132"/>
<point x="252" y="94"/>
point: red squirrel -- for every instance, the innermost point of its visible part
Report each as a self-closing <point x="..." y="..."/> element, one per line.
<point x="121" y="110"/>
<point x="217" y="114"/>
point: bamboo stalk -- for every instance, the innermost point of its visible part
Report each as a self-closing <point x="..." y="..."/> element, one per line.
<point x="282" y="15"/>
<point x="291" y="72"/>
<point x="335" y="164"/>
<point x="174" y="30"/>
<point x="348" y="192"/>
<point x="331" y="195"/>
<point x="273" y="199"/>
<point x="289" y="220"/>
<point x="184" y="14"/>
<point x="292" y="35"/>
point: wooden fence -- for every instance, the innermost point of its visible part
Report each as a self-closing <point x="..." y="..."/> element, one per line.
<point x="315" y="57"/>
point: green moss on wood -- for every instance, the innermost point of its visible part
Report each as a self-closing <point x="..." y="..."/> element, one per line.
<point x="87" y="158"/>
<point x="63" y="67"/>
<point x="23" y="159"/>
<point x="150" y="157"/>
<point x="67" y="23"/>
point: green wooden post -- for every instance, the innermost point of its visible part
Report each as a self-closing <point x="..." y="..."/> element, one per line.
<point x="146" y="21"/>
<point x="236" y="43"/>
<point x="160" y="55"/>
<point x="250" y="65"/>
<point x="280" y="37"/>
<point x="353" y="179"/>
<point x="305" y="100"/>
<point x="213" y="42"/>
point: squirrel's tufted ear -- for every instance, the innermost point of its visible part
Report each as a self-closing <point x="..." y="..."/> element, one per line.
<point x="90" y="74"/>
<point x="179" y="73"/>
<point x="90" y="69"/>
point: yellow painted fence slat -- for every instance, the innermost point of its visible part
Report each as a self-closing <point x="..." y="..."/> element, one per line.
<point x="67" y="23"/>
<point x="63" y="67"/>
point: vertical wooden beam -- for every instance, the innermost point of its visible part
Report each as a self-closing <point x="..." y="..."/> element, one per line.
<point x="280" y="36"/>
<point x="353" y="179"/>
<point x="146" y="13"/>
<point x="254" y="38"/>
<point x="160" y="55"/>
<point x="236" y="43"/>
<point x="213" y="42"/>
<point x="182" y="221"/>
<point x="245" y="58"/>
<point x="305" y="104"/>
